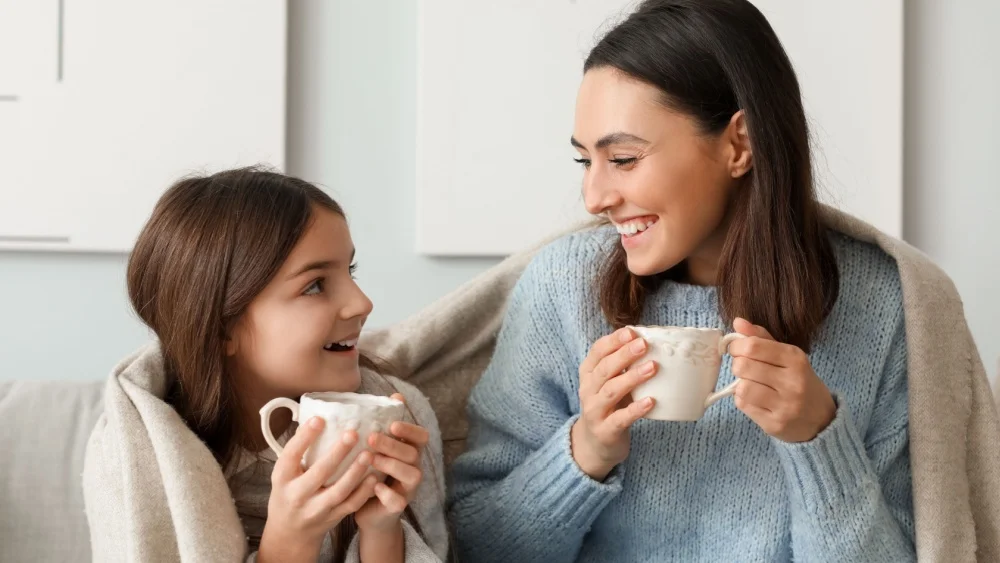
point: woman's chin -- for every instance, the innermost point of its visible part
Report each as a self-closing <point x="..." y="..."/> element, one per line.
<point x="645" y="264"/>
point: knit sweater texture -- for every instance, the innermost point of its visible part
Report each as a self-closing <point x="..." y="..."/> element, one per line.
<point x="718" y="489"/>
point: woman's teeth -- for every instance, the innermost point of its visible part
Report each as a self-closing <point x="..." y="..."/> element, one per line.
<point x="342" y="346"/>
<point x="632" y="227"/>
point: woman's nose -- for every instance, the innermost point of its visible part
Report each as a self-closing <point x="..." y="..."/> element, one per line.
<point x="598" y="196"/>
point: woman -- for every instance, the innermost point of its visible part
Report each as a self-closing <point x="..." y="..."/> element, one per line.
<point x="694" y="146"/>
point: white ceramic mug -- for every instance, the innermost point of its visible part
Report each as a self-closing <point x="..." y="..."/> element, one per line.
<point x="365" y="414"/>
<point x="688" y="362"/>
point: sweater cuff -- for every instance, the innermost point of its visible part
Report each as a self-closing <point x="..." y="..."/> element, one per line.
<point x="567" y="493"/>
<point x="831" y="471"/>
<point x="415" y="549"/>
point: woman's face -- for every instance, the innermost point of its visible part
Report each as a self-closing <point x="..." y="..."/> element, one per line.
<point x="664" y="184"/>
<point x="300" y="333"/>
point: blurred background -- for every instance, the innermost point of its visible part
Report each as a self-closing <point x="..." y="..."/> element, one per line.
<point x="442" y="128"/>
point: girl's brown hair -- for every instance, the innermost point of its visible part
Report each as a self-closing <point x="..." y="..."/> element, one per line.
<point x="711" y="59"/>
<point x="212" y="244"/>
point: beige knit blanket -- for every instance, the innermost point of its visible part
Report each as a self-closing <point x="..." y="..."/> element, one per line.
<point x="954" y="428"/>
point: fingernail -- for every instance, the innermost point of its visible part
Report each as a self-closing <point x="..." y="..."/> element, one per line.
<point x="646" y="368"/>
<point x="646" y="403"/>
<point x="638" y="346"/>
<point x="316" y="422"/>
<point x="348" y="437"/>
<point x="625" y="336"/>
<point x="364" y="458"/>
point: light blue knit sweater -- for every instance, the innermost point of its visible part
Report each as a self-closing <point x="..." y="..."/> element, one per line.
<point x="714" y="490"/>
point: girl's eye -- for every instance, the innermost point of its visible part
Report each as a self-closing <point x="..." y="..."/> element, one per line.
<point x="584" y="161"/>
<point x="623" y="162"/>
<point x="352" y="269"/>
<point x="315" y="288"/>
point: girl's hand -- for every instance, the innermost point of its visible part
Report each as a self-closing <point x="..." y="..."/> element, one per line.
<point x="600" y="438"/>
<point x="398" y="456"/>
<point x="301" y="510"/>
<point x="778" y="388"/>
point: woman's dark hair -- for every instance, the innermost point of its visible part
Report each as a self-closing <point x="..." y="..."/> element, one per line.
<point x="212" y="244"/>
<point x="712" y="59"/>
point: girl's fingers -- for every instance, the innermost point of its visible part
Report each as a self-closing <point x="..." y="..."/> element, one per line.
<point x="394" y="448"/>
<point x="317" y="476"/>
<point x="393" y="502"/>
<point x="416" y="435"/>
<point x="289" y="462"/>
<point x="352" y="503"/>
<point x="408" y="475"/>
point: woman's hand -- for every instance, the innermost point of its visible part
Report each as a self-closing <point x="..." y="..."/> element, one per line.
<point x="398" y="456"/>
<point x="600" y="438"/>
<point x="778" y="388"/>
<point x="301" y="510"/>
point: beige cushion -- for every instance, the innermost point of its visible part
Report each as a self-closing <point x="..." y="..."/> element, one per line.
<point x="45" y="431"/>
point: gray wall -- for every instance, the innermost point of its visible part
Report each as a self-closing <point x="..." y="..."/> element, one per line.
<point x="952" y="197"/>
<point x="352" y="81"/>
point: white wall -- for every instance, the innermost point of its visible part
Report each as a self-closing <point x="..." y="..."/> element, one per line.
<point x="952" y="197"/>
<point x="352" y="127"/>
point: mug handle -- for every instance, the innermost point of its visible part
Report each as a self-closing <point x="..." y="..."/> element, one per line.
<point x="731" y="388"/>
<point x="265" y="419"/>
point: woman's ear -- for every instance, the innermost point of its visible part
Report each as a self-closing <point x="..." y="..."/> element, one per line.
<point x="231" y="346"/>
<point x="231" y="340"/>
<point x="740" y="159"/>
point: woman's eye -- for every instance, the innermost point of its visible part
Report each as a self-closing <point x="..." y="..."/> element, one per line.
<point x="352" y="269"/>
<point x="623" y="162"/>
<point x="315" y="288"/>
<point x="584" y="161"/>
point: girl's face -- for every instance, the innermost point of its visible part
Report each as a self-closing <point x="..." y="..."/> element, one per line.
<point x="664" y="184"/>
<point x="300" y="334"/>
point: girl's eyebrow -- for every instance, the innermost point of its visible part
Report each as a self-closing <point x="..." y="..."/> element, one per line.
<point x="320" y="265"/>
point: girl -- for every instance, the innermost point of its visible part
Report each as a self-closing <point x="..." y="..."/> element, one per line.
<point x="246" y="278"/>
<point x="694" y="148"/>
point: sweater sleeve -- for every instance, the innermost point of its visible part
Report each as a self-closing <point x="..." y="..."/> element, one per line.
<point x="517" y="493"/>
<point x="851" y="498"/>
<point x="415" y="548"/>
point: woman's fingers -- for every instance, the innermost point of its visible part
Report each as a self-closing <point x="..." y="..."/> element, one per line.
<point x="751" y="393"/>
<point x="603" y="347"/>
<point x="616" y="363"/>
<point x="617" y="388"/>
<point x="622" y="419"/>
